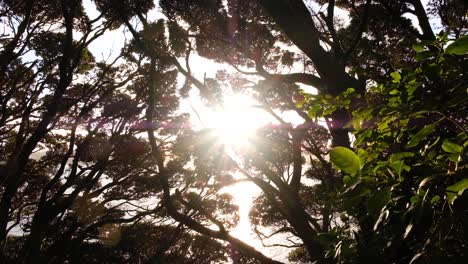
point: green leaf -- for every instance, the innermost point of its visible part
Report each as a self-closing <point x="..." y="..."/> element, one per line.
<point x="415" y="199"/>
<point x="347" y="180"/>
<point x="396" y="77"/>
<point x="363" y="155"/>
<point x="399" y="166"/>
<point x="345" y="159"/>
<point x="456" y="189"/>
<point x="394" y="91"/>
<point x="454" y="157"/>
<point x="411" y="89"/>
<point x="435" y="199"/>
<point x="458" y="47"/>
<point x="314" y="111"/>
<point x="350" y="90"/>
<point x="418" y="47"/>
<point x="400" y="155"/>
<point x="451" y="147"/>
<point x="422" y="134"/>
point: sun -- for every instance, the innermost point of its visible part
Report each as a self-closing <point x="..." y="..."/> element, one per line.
<point x="237" y="120"/>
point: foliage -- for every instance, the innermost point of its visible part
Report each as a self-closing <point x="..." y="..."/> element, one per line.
<point x="411" y="139"/>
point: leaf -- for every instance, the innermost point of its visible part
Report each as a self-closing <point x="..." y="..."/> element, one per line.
<point x="451" y="147"/>
<point x="345" y="159"/>
<point x="416" y="257"/>
<point x="396" y="77"/>
<point x="424" y="55"/>
<point x="399" y="166"/>
<point x="382" y="217"/>
<point x="411" y="89"/>
<point x="380" y="199"/>
<point x="326" y="238"/>
<point x="435" y="199"/>
<point x="394" y="91"/>
<point x="300" y="104"/>
<point x="454" y="157"/>
<point x="400" y="155"/>
<point x="350" y="90"/>
<point x="423" y="133"/>
<point x="456" y="189"/>
<point x="414" y="199"/>
<point x="408" y="230"/>
<point x="425" y="181"/>
<point x="458" y="47"/>
<point x="347" y="180"/>
<point x="314" y="111"/>
<point x="418" y="47"/>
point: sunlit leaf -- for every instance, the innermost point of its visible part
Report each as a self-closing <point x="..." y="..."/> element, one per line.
<point x="399" y="166"/>
<point x="400" y="156"/>
<point x="435" y="199"/>
<point x="457" y="189"/>
<point x="451" y="147"/>
<point x="415" y="199"/>
<point x="418" y="47"/>
<point x="345" y="159"/>
<point x="422" y="134"/>
<point x="396" y="77"/>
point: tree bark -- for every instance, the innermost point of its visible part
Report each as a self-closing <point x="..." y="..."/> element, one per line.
<point x="423" y="20"/>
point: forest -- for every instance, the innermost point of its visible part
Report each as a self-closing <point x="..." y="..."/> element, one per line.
<point x="360" y="156"/>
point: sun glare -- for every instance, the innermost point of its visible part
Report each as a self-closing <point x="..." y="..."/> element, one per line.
<point x="238" y="119"/>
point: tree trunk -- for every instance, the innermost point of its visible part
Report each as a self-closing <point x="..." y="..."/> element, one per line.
<point x="32" y="247"/>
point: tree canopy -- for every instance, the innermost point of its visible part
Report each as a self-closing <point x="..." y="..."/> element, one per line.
<point x="99" y="163"/>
